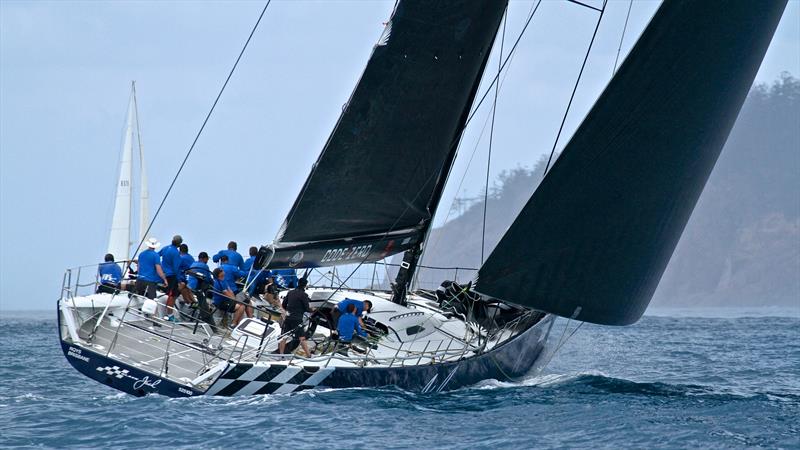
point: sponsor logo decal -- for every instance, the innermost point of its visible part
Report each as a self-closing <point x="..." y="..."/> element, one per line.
<point x="76" y="353"/>
<point x="295" y="259"/>
<point x="343" y="254"/>
<point x="138" y="383"/>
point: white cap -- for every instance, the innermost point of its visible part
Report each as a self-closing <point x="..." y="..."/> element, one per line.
<point x="152" y="243"/>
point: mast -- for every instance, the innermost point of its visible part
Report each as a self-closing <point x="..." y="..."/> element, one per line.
<point x="144" y="194"/>
<point x="120" y="234"/>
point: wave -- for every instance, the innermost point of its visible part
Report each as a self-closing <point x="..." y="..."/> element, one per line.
<point x="596" y="382"/>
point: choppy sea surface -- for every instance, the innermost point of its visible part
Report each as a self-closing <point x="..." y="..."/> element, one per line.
<point x="718" y="378"/>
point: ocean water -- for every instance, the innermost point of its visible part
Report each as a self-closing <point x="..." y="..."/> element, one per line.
<point x="726" y="379"/>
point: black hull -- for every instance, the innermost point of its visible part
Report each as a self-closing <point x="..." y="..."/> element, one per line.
<point x="508" y="362"/>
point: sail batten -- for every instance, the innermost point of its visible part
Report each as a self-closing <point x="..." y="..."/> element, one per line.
<point x="594" y="239"/>
<point x="381" y="169"/>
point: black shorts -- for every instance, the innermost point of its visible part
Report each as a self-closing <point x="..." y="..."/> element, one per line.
<point x="146" y="288"/>
<point x="172" y="286"/>
<point x="227" y="306"/>
<point x="295" y="326"/>
<point x="107" y="289"/>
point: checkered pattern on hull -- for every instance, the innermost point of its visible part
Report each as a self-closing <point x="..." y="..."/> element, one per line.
<point x="249" y="379"/>
<point x="114" y="371"/>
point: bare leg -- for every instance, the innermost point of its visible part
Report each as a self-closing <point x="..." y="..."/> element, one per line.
<point x="282" y="346"/>
<point x="304" y="344"/>
<point x="237" y="316"/>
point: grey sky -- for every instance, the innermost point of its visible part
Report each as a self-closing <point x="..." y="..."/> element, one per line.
<point x="65" y="70"/>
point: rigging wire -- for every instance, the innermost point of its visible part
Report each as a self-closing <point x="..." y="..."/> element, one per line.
<point x="510" y="60"/>
<point x="621" y="38"/>
<point x="200" y="131"/>
<point x="491" y="136"/>
<point x="496" y="77"/>
<point x="575" y="88"/>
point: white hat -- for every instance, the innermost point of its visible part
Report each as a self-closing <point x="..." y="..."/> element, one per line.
<point x="152" y="243"/>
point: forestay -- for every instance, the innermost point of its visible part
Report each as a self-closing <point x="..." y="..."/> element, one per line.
<point x="374" y="188"/>
<point x="596" y="236"/>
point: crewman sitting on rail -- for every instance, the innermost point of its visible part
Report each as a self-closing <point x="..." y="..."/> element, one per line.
<point x="348" y="323"/>
<point x="224" y="298"/>
<point x="109" y="275"/>
<point x="234" y="257"/>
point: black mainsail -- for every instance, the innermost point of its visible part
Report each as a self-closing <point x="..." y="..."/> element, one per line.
<point x="374" y="189"/>
<point x="594" y="239"/>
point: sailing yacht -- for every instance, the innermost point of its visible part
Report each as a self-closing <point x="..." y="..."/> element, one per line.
<point x="121" y="233"/>
<point x="590" y="244"/>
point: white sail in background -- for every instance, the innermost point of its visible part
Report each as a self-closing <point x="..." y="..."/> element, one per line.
<point x="120" y="236"/>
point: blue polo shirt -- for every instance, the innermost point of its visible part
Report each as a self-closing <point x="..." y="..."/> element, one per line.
<point x="286" y="278"/>
<point x="349" y="301"/>
<point x="248" y="263"/>
<point x="234" y="258"/>
<point x="170" y="260"/>
<point x="199" y="268"/>
<point x="232" y="273"/>
<point x="186" y="261"/>
<point x="347" y="324"/>
<point x="109" y="273"/>
<point x="148" y="260"/>
<point x="219" y="287"/>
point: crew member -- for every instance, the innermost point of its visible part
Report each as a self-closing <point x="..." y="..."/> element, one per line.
<point x="171" y="263"/>
<point x="234" y="257"/>
<point x="109" y="275"/>
<point x="186" y="262"/>
<point x="150" y="272"/>
<point x="296" y="304"/>
<point x="224" y="298"/>
<point x="343" y="306"/>
<point x="248" y="263"/>
<point x="348" y="323"/>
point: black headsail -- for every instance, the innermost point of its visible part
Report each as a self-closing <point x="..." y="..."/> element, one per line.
<point x="596" y="236"/>
<point x="374" y="188"/>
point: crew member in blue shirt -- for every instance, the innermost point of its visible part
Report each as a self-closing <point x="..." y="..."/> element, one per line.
<point x="110" y="276"/>
<point x="186" y="261"/>
<point x="199" y="279"/>
<point x="234" y="257"/>
<point x="343" y="306"/>
<point x="286" y="278"/>
<point x="348" y="323"/>
<point x="232" y="273"/>
<point x="171" y="263"/>
<point x="199" y="273"/>
<point x="224" y="297"/>
<point x="248" y="263"/>
<point x="150" y="272"/>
